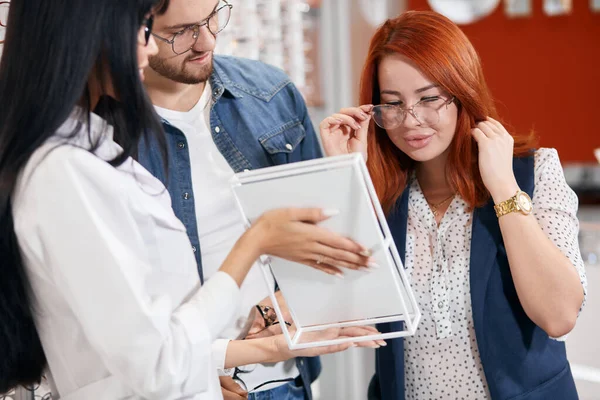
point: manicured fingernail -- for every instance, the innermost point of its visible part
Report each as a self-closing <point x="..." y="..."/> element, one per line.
<point x="356" y="126"/>
<point x="339" y="275"/>
<point x="366" y="253"/>
<point x="373" y="265"/>
<point x="364" y="269"/>
<point x="330" y="212"/>
<point x="339" y="120"/>
<point x="365" y="116"/>
<point x="381" y="343"/>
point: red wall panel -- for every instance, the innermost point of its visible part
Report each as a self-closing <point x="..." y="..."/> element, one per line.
<point x="544" y="73"/>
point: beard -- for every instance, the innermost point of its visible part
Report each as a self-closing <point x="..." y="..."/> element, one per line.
<point x="180" y="72"/>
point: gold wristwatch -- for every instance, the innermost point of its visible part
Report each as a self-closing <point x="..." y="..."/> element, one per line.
<point x="520" y="202"/>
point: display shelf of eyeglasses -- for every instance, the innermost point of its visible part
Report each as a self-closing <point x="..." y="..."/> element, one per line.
<point x="311" y="23"/>
<point x="40" y="392"/>
<point x="3" y="20"/>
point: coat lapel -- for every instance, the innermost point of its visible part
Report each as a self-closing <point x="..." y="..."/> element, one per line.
<point x="398" y="221"/>
<point x="486" y="238"/>
<point x="390" y="359"/>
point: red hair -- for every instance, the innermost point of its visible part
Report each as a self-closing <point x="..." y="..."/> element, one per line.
<point x="443" y="53"/>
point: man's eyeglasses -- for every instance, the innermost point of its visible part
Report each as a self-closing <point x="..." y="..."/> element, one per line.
<point x="146" y="30"/>
<point x="426" y="112"/>
<point x="184" y="40"/>
<point x="270" y="318"/>
<point x="246" y="369"/>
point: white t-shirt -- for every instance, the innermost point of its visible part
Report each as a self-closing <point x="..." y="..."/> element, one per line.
<point x="219" y="227"/>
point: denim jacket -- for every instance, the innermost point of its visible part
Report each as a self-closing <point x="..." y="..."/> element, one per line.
<point x="258" y="119"/>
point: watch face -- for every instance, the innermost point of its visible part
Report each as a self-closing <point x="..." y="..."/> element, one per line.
<point x="524" y="202"/>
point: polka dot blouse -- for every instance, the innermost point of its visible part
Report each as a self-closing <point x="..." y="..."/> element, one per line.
<point x="442" y="359"/>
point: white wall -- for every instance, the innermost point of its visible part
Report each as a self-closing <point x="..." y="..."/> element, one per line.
<point x="346" y="29"/>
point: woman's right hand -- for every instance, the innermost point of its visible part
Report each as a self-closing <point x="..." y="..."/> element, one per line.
<point x="346" y="131"/>
<point x="274" y="349"/>
<point x="292" y="234"/>
<point x="283" y="351"/>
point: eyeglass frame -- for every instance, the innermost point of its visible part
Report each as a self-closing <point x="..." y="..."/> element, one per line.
<point x="196" y="28"/>
<point x="149" y="23"/>
<point x="411" y="110"/>
<point x="269" y="320"/>
<point x="238" y="370"/>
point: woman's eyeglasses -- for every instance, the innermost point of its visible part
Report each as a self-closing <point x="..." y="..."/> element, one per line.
<point x="426" y="112"/>
<point x="146" y="30"/>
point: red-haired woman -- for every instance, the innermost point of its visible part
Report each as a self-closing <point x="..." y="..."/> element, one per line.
<point x="498" y="277"/>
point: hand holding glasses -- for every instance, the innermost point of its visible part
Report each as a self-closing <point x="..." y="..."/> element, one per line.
<point x="264" y="318"/>
<point x="327" y="334"/>
<point x="426" y="112"/>
<point x="346" y="132"/>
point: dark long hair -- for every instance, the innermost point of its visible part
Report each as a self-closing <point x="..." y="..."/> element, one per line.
<point x="50" y="51"/>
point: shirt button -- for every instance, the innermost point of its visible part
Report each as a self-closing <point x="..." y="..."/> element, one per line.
<point x="186" y="196"/>
<point x="181" y="145"/>
<point x="194" y="249"/>
<point x="441" y="304"/>
<point x="217" y="129"/>
<point x="288" y="146"/>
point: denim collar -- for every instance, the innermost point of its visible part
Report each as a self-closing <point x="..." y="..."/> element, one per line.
<point x="253" y="85"/>
<point x="220" y="82"/>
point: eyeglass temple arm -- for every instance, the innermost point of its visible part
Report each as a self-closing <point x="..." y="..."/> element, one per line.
<point x="162" y="38"/>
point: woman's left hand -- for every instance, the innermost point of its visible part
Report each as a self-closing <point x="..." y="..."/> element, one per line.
<point x="496" y="159"/>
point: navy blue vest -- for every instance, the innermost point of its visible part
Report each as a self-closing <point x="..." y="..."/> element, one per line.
<point x="520" y="361"/>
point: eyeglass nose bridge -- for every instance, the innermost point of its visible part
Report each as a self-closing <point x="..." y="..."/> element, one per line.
<point x="404" y="114"/>
<point x="197" y="28"/>
<point x="196" y="33"/>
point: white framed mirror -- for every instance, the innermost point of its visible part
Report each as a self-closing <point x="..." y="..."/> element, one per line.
<point x="375" y="12"/>
<point x="558" y="7"/>
<point x="517" y="8"/>
<point x="464" y="12"/>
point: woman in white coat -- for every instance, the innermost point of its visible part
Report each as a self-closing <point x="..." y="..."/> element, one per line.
<point x="98" y="281"/>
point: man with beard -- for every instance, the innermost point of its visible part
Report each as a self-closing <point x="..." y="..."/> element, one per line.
<point x="224" y="115"/>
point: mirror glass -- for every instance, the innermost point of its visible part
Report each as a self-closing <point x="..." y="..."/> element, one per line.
<point x="464" y="11"/>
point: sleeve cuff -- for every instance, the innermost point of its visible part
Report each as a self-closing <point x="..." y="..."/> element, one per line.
<point x="219" y="354"/>
<point x="563" y="338"/>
